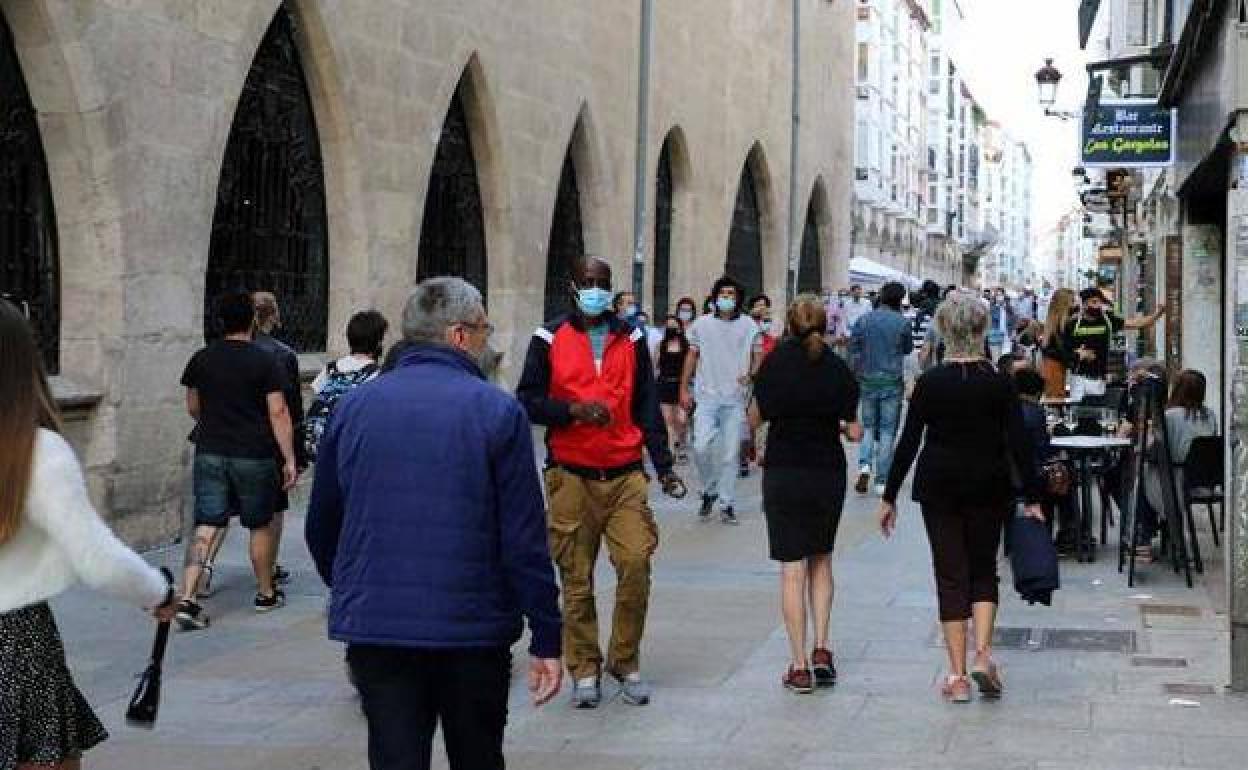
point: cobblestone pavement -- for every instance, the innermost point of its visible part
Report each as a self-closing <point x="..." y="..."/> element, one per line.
<point x="268" y="691"/>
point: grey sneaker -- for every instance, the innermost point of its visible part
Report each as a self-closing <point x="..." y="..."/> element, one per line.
<point x="633" y="689"/>
<point x="729" y="516"/>
<point x="587" y="693"/>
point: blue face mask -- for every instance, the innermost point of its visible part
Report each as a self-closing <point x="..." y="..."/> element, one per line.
<point x="593" y="301"/>
<point x="726" y="304"/>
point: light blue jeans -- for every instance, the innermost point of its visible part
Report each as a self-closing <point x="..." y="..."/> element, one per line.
<point x="717" y="430"/>
<point x="881" y="412"/>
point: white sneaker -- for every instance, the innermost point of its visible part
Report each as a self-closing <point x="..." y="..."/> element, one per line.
<point x="879" y="490"/>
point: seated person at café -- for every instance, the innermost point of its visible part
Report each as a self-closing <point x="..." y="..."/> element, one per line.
<point x="1187" y="418"/>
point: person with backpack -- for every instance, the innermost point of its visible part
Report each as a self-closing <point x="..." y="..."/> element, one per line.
<point x="365" y="332"/>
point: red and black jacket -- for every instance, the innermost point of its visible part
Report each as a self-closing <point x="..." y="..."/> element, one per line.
<point x="559" y="371"/>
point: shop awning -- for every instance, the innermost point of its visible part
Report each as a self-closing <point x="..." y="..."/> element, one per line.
<point x="1087" y="17"/>
<point x="868" y="271"/>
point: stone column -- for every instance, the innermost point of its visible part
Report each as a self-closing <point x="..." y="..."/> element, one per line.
<point x="1236" y="418"/>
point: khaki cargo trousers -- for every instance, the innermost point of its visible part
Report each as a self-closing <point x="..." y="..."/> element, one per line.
<point x="582" y="514"/>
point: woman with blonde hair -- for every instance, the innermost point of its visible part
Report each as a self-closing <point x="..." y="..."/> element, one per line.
<point x="969" y="421"/>
<point x="1054" y="358"/>
<point x="809" y="398"/>
<point x="50" y="538"/>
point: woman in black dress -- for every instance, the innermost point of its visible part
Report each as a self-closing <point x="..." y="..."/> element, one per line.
<point x="968" y="418"/>
<point x="809" y="397"/>
<point x="671" y="362"/>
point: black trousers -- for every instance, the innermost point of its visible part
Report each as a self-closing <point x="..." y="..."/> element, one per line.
<point x="407" y="692"/>
<point x="965" y="537"/>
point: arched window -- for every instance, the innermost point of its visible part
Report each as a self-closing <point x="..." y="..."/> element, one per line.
<point x="29" y="273"/>
<point x="567" y="240"/>
<point x="269" y="230"/>
<point x="810" y="268"/>
<point x="745" y="242"/>
<point x="663" y="233"/>
<point x="452" y="234"/>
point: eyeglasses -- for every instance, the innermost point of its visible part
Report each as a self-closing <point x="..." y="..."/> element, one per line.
<point x="485" y="326"/>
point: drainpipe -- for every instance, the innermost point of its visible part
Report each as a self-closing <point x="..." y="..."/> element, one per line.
<point x="641" y="181"/>
<point x="792" y="241"/>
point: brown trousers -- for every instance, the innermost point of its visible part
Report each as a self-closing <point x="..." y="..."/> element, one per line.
<point x="582" y="514"/>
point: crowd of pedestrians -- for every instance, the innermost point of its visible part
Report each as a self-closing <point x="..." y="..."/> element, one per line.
<point x="440" y="540"/>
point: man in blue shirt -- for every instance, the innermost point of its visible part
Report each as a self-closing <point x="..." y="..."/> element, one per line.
<point x="878" y="347"/>
<point x="427" y="522"/>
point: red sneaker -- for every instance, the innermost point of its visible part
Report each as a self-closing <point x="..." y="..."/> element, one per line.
<point x="799" y="681"/>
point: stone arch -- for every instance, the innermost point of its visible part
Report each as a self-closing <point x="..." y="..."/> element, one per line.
<point x="29" y="263"/>
<point x="752" y="231"/>
<point x="270" y="228"/>
<point x="673" y="172"/>
<point x="573" y="230"/>
<point x="453" y="238"/>
<point x="815" y="237"/>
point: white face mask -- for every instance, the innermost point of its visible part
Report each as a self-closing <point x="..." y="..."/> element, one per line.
<point x="685" y="315"/>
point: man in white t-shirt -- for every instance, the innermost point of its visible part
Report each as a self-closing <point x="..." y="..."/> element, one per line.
<point x="724" y="353"/>
<point x="856" y="307"/>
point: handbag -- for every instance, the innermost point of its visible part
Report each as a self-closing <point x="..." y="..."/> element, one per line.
<point x="1057" y="478"/>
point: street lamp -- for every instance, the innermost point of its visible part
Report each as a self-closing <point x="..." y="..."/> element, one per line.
<point x="1047" y="79"/>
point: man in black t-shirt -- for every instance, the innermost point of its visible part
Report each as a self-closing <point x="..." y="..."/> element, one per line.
<point x="234" y="392"/>
<point x="1089" y="337"/>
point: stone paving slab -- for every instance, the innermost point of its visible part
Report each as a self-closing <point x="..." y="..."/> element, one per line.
<point x="269" y="692"/>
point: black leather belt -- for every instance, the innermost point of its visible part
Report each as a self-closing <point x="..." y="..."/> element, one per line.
<point x="600" y="474"/>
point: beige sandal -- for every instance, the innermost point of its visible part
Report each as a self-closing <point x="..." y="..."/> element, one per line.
<point x="956" y="689"/>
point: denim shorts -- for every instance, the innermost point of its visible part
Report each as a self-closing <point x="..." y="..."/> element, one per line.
<point x="247" y="486"/>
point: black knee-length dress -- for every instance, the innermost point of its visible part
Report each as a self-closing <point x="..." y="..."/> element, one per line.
<point x="804" y="401"/>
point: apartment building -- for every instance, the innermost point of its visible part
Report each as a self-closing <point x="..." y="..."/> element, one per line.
<point x="891" y="175"/>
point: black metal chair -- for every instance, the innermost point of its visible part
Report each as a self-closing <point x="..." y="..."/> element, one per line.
<point x="1203" y="482"/>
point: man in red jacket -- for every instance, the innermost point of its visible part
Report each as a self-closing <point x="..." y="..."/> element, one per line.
<point x="589" y="380"/>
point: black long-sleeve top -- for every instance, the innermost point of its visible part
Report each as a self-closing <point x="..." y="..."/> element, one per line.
<point x="970" y="423"/>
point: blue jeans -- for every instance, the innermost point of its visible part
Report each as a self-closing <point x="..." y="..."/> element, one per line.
<point x="881" y="411"/>
<point x="717" y="429"/>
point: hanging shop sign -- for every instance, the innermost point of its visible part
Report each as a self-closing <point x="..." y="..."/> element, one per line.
<point x="1130" y="133"/>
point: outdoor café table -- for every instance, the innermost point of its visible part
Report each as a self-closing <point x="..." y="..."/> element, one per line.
<point x="1059" y="405"/>
<point x="1083" y="448"/>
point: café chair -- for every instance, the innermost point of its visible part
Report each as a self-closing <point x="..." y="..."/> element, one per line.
<point x="1203" y="483"/>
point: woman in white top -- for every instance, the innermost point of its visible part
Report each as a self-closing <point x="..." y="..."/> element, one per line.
<point x="50" y="538"/>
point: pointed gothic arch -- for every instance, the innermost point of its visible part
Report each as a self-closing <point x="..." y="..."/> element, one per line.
<point x="452" y="231"/>
<point x="567" y="237"/>
<point x="810" y="265"/>
<point x="744" y="259"/>
<point x="671" y="182"/>
<point x="269" y="229"/>
<point x="29" y="261"/>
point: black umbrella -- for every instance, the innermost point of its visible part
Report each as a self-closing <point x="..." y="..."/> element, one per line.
<point x="145" y="703"/>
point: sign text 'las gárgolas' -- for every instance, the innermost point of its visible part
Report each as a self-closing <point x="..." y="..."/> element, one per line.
<point x="1128" y="134"/>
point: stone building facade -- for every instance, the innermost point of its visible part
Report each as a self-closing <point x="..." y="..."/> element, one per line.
<point x="138" y="104"/>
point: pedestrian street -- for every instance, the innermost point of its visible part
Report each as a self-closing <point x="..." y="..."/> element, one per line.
<point x="269" y="691"/>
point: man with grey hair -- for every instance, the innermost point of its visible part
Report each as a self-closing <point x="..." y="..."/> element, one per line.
<point x="427" y="522"/>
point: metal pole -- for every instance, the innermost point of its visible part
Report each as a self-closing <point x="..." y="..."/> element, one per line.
<point x="641" y="181"/>
<point x="794" y="155"/>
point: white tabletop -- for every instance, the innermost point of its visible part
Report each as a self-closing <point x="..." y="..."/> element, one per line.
<point x="1089" y="442"/>
<point x="1049" y="401"/>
